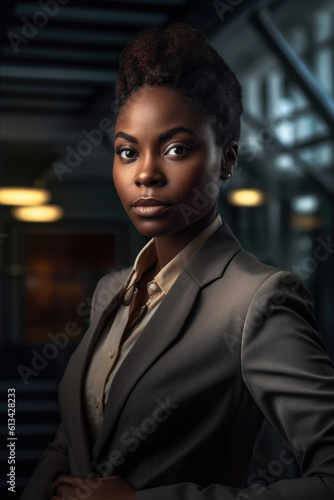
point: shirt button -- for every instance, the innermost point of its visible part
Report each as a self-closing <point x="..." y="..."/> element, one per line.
<point x="112" y="353"/>
<point x="152" y="287"/>
<point x="95" y="402"/>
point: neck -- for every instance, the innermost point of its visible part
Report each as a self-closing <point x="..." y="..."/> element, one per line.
<point x="167" y="247"/>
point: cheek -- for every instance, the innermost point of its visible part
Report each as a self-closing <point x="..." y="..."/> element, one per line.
<point x="119" y="178"/>
<point x="200" y="175"/>
<point x="201" y="194"/>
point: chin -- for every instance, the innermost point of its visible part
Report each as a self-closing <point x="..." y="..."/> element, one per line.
<point x="153" y="228"/>
<point x="150" y="233"/>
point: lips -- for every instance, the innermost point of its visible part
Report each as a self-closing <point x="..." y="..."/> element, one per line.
<point x="149" y="202"/>
<point x="149" y="207"/>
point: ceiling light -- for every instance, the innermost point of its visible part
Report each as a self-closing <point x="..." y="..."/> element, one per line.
<point x="305" y="204"/>
<point x="43" y="213"/>
<point x="23" y="196"/>
<point x="246" y="197"/>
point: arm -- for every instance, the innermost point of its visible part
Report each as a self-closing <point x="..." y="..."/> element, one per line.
<point x="53" y="462"/>
<point x="289" y="375"/>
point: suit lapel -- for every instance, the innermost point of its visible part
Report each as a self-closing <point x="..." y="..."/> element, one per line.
<point x="72" y="386"/>
<point x="207" y="265"/>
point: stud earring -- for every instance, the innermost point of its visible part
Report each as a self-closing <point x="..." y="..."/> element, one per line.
<point x="228" y="176"/>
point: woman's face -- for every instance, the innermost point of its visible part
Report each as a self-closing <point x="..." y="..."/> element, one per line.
<point x="167" y="165"/>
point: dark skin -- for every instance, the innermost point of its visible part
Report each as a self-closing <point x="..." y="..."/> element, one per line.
<point x="165" y="149"/>
<point x="147" y="166"/>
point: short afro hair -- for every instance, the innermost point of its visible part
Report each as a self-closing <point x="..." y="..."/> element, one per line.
<point x="180" y="57"/>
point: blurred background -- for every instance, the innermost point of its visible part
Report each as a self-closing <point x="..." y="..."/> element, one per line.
<point x="59" y="62"/>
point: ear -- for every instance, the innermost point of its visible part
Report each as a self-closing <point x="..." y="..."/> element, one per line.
<point x="229" y="160"/>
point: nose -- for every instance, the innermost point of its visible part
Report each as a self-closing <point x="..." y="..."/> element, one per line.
<point x="149" y="173"/>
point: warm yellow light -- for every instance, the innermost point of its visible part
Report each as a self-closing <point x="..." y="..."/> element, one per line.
<point x="246" y="197"/>
<point x="306" y="222"/>
<point x="23" y="196"/>
<point x="43" y="213"/>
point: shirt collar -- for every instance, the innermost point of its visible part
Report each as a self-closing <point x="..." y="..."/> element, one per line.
<point x="168" y="274"/>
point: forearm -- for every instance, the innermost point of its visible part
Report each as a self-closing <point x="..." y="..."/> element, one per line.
<point x="53" y="462"/>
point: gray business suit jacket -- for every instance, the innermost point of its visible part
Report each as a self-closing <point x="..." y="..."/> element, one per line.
<point x="233" y="341"/>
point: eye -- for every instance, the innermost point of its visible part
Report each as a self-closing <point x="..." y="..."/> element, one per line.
<point x="125" y="153"/>
<point x="177" y="150"/>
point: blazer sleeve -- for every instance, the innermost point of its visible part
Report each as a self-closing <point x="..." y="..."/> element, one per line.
<point x="53" y="462"/>
<point x="290" y="377"/>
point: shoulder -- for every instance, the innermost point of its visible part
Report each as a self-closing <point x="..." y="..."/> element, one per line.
<point x="244" y="275"/>
<point x="265" y="282"/>
<point x="113" y="280"/>
<point x="257" y="277"/>
<point x="251" y="291"/>
<point x="228" y="274"/>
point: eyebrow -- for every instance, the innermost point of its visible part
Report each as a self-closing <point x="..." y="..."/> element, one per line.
<point x="162" y="137"/>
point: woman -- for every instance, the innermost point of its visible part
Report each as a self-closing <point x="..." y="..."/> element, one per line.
<point x="190" y="350"/>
